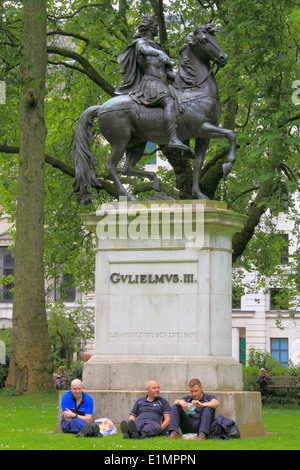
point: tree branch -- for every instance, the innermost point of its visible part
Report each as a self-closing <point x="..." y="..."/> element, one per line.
<point x="294" y="118"/>
<point x="88" y="69"/>
<point x="255" y="211"/>
<point x="55" y="162"/>
<point x="60" y="32"/>
<point x="65" y="17"/>
<point x="69" y="170"/>
<point x="158" y="9"/>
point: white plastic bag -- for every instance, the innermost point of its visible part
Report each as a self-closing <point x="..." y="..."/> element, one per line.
<point x="107" y="427"/>
<point x="190" y="435"/>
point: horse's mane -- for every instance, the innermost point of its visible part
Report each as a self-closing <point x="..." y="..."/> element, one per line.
<point x="186" y="71"/>
<point x="186" y="76"/>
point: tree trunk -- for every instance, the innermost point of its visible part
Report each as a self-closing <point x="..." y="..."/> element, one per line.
<point x="31" y="362"/>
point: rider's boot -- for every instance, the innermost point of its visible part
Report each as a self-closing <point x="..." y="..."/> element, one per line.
<point x="174" y="142"/>
<point x="170" y="118"/>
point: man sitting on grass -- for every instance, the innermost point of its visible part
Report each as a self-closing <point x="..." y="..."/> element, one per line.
<point x="193" y="413"/>
<point x="149" y="416"/>
<point x="77" y="408"/>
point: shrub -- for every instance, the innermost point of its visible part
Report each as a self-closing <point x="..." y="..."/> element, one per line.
<point x="250" y="375"/>
<point x="267" y="361"/>
<point x="259" y="359"/>
<point x="76" y="371"/>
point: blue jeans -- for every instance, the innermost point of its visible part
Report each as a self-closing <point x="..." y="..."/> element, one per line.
<point x="74" y="426"/>
<point x="179" y="418"/>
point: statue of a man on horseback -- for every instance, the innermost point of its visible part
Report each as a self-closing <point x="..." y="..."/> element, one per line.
<point x="146" y="70"/>
<point x="143" y="110"/>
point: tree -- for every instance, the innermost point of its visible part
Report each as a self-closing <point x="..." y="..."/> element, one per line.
<point x="31" y="365"/>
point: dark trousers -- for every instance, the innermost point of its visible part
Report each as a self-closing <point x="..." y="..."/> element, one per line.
<point x="148" y="428"/>
<point x="179" y="418"/>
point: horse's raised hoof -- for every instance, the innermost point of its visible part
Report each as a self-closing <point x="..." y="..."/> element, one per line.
<point x="226" y="169"/>
<point x="131" y="198"/>
<point x="201" y="196"/>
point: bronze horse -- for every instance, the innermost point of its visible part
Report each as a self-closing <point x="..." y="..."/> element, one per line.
<point x="128" y="126"/>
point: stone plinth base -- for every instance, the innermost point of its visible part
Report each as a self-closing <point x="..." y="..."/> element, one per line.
<point x="172" y="372"/>
<point x="243" y="407"/>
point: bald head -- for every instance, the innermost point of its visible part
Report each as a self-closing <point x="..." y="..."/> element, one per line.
<point x="152" y="389"/>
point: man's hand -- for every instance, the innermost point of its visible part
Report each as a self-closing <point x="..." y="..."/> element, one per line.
<point x="212" y="404"/>
<point x="182" y="403"/>
<point x="166" y="59"/>
<point x="197" y="403"/>
<point x="68" y="415"/>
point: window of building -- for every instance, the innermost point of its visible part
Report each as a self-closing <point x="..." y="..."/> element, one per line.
<point x="65" y="288"/>
<point x="151" y="150"/>
<point x="278" y="299"/>
<point x="280" y="350"/>
<point x="6" y="274"/>
<point x="243" y="351"/>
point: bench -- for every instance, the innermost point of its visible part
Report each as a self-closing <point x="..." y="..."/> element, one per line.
<point x="282" y="383"/>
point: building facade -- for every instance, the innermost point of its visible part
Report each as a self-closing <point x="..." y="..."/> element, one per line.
<point x="258" y="319"/>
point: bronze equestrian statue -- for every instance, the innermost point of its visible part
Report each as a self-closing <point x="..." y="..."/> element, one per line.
<point x="147" y="69"/>
<point x="147" y="109"/>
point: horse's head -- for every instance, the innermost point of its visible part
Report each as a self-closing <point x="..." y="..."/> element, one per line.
<point x="205" y="46"/>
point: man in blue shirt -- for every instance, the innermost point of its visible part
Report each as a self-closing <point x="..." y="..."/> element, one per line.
<point x="77" y="409"/>
<point x="193" y="413"/>
<point x="149" y="416"/>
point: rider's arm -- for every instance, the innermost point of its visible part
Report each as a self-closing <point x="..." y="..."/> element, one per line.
<point x="144" y="48"/>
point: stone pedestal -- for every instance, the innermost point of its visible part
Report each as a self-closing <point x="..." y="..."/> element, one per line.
<point x="163" y="301"/>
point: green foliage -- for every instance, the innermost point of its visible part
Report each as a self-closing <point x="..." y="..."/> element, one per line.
<point x="257" y="358"/>
<point x="67" y="328"/>
<point x="250" y="375"/>
<point x="76" y="371"/>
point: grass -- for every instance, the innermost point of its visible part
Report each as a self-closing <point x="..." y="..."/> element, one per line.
<point x="27" y="423"/>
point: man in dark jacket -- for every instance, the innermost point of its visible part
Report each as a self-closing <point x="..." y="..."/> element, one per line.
<point x="263" y="379"/>
<point x="149" y="416"/>
<point x="193" y="413"/>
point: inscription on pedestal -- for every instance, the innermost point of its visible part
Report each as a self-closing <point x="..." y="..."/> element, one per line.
<point x="158" y="302"/>
<point x="115" y="278"/>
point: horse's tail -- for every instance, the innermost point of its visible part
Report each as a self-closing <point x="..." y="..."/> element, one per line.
<point x="84" y="161"/>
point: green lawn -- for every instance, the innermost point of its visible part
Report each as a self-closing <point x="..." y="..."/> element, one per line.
<point x="27" y="422"/>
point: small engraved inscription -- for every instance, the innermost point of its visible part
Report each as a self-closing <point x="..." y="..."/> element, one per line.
<point x="156" y="334"/>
